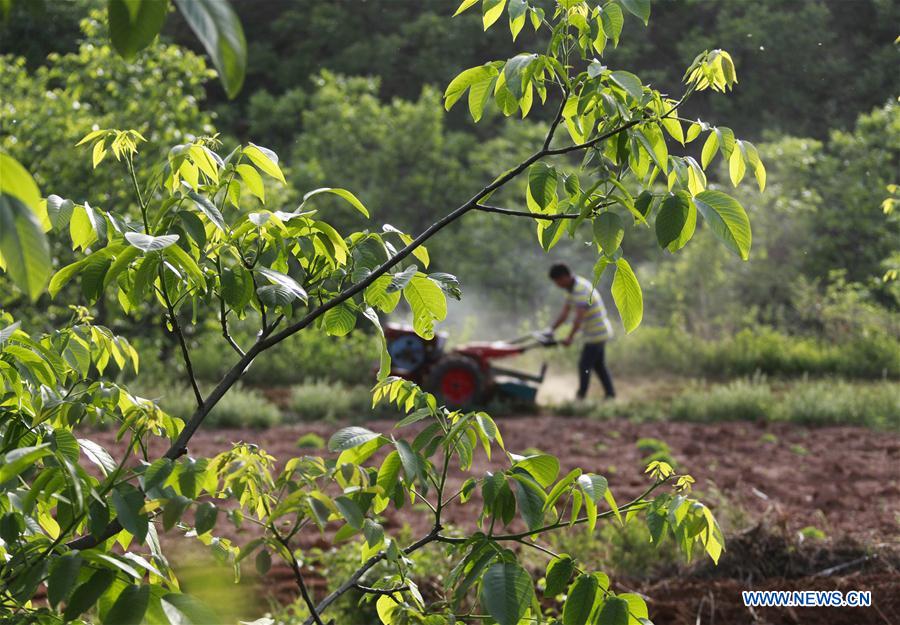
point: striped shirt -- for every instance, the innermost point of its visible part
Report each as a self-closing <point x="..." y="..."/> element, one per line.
<point x="595" y="326"/>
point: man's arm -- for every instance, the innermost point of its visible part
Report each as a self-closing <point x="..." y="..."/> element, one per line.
<point x="580" y="312"/>
<point x="561" y="318"/>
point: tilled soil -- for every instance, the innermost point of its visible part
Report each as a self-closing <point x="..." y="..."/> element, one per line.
<point x="844" y="481"/>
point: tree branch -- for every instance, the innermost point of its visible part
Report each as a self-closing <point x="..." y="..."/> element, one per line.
<point x="379" y="591"/>
<point x="368" y="564"/>
<point x="176" y="330"/>
<point x="298" y="577"/>
<point x="487" y="208"/>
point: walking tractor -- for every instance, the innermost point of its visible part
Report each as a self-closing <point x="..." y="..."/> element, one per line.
<point x="466" y="376"/>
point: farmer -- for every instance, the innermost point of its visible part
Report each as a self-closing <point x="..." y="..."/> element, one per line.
<point x="591" y="319"/>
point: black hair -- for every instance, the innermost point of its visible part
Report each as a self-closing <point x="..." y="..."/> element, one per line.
<point x="559" y="270"/>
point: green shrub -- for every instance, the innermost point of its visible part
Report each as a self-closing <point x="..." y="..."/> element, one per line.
<point x="240" y="407"/>
<point x="321" y="400"/>
<point x="625" y="550"/>
<point x="817" y="402"/>
<point x="656" y="450"/>
<point x="758" y="350"/>
<point x="302" y="357"/>
<point x="741" y="400"/>
<point x="835" y="402"/>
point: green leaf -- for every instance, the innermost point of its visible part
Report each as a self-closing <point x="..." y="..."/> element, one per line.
<point x="350" y="437"/>
<point x="341" y="193"/>
<point x="185" y="610"/>
<point x="491" y="11"/>
<point x="481" y="75"/>
<point x="237" y="287"/>
<point x="128" y="502"/>
<point x="518" y="10"/>
<point x="629" y="82"/>
<point x="350" y="511"/>
<point x="676" y="221"/>
<point x="18" y="460"/>
<point x="638" y="8"/>
<point x="385" y="357"/>
<point x="288" y="283"/>
<point x="627" y="294"/>
<point x="541" y="193"/>
<point x="253" y="180"/>
<point x="266" y="160"/>
<point x="736" y="165"/>
<point x="428" y="304"/>
<point x="559" y="571"/>
<point x="609" y="230"/>
<point x="209" y="209"/>
<point x="88" y="593"/>
<point x="637" y="608"/>
<point x="709" y="149"/>
<point x="515" y="72"/>
<point x="412" y="466"/>
<point x="542" y="467"/>
<point x="594" y="486"/>
<point x="465" y="4"/>
<point x="389" y="472"/>
<point x="580" y="600"/>
<point x="184" y="260"/>
<point x="147" y="243"/>
<point x="134" y="24"/>
<point x="759" y="170"/>
<point x="340" y="320"/>
<point x="614" y="612"/>
<point x="17" y="182"/>
<point x="530" y="500"/>
<point x="506" y="592"/>
<point x="63" y="575"/>
<point x="219" y="30"/>
<point x="205" y="517"/>
<point x="727" y="219"/>
<point x="158" y="472"/>
<point x="24" y="249"/>
<point x="613" y="20"/>
<point x="98" y="455"/>
<point x="130" y="606"/>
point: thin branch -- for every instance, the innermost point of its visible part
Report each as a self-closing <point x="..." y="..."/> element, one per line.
<point x="298" y="577"/>
<point x="176" y="329"/>
<point x="557" y="119"/>
<point x="487" y="208"/>
<point x="368" y="564"/>
<point x="598" y="139"/>
<point x="223" y="315"/>
<point x="380" y="591"/>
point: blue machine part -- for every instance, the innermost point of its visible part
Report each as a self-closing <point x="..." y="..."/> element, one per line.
<point x="407" y="353"/>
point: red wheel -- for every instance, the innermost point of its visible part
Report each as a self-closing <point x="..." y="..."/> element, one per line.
<point x="457" y="381"/>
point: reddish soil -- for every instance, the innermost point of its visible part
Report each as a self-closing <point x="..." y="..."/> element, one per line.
<point x="844" y="481"/>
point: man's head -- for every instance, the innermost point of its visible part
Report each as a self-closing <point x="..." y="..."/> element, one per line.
<point x="562" y="275"/>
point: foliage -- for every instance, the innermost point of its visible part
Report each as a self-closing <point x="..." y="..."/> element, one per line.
<point x="757" y="349"/>
<point x="49" y="109"/>
<point x="741" y="400"/>
<point x="240" y="408"/>
<point x="807" y="402"/>
<point x="204" y="243"/>
<point x="319" y="400"/>
<point x="345" y="120"/>
<point x="299" y="359"/>
<point x="839" y="403"/>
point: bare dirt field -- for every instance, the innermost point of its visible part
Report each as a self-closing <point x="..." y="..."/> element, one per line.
<point x="844" y="481"/>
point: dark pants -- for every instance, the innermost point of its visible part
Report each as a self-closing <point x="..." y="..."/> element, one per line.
<point x="592" y="357"/>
